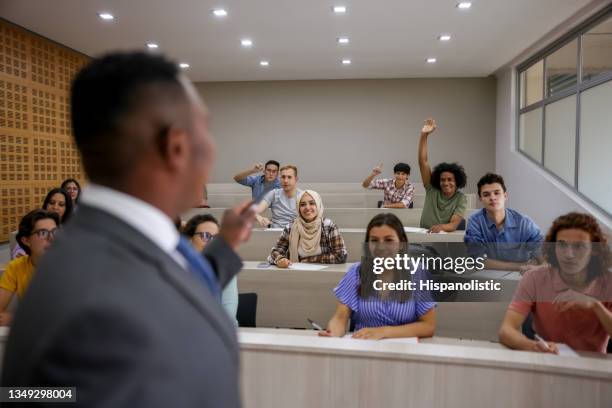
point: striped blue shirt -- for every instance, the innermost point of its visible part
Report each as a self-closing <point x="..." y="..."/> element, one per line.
<point x="375" y="312"/>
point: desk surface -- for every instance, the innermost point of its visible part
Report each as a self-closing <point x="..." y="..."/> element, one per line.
<point x="436" y="349"/>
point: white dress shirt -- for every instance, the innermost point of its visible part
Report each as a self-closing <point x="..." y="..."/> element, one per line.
<point x="140" y="215"/>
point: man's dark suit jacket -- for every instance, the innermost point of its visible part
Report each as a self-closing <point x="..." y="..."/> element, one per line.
<point x="110" y="313"/>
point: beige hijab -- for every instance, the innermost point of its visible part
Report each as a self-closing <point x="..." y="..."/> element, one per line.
<point x="306" y="235"/>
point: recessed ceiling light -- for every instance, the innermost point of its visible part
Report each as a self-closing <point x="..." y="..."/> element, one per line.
<point x="184" y="65"/>
<point x="346" y="62"/>
<point x="343" y="40"/>
<point x="431" y="60"/>
<point x="106" y="16"/>
<point x="246" y="42"/>
<point x="264" y="63"/>
<point x="464" y="5"/>
<point x="339" y="9"/>
<point x="152" y="46"/>
<point x="219" y="12"/>
<point x="444" y="37"/>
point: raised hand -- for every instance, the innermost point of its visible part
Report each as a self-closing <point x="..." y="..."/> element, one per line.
<point x="257" y="167"/>
<point x="283" y="263"/>
<point x="429" y="126"/>
<point x="377" y="170"/>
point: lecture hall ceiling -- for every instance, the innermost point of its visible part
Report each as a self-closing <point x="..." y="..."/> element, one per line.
<point x="387" y="38"/>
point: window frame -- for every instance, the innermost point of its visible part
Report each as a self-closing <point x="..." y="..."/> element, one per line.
<point x="577" y="89"/>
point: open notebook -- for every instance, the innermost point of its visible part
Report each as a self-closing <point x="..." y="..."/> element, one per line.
<point x="403" y="340"/>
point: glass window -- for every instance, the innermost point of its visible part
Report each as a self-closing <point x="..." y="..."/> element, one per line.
<point x="532" y="84"/>
<point x="560" y="139"/>
<point x="561" y="69"/>
<point x="597" y="50"/>
<point x="595" y="166"/>
<point x="530" y="134"/>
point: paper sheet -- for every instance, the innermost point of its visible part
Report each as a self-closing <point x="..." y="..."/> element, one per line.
<point x="307" y="266"/>
<point x="565" y="350"/>
<point x="403" y="340"/>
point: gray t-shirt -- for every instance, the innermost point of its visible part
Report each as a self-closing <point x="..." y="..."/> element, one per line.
<point x="282" y="207"/>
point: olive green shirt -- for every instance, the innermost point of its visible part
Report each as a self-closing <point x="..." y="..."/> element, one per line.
<point x="439" y="209"/>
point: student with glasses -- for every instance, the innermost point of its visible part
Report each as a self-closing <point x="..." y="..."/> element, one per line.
<point x="57" y="201"/>
<point x="201" y="229"/>
<point x="36" y="232"/>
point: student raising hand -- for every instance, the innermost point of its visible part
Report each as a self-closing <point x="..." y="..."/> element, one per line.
<point x="429" y="126"/>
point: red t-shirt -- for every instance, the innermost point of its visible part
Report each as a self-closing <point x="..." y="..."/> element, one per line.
<point x="579" y="329"/>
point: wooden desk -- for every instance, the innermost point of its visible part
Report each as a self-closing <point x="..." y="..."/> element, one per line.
<point x="286" y="297"/>
<point x="297" y="369"/>
<point x="262" y="240"/>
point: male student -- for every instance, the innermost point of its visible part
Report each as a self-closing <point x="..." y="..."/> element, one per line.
<point x="260" y="183"/>
<point x="398" y="191"/>
<point x="517" y="235"/>
<point x="445" y="205"/>
<point x="281" y="201"/>
<point x="121" y="307"/>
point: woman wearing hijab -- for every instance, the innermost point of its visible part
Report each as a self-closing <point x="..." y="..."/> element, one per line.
<point x="310" y="238"/>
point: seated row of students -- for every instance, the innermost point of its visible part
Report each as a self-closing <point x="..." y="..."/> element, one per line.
<point x="60" y="201"/>
<point x="570" y="297"/>
<point x="444" y="208"/>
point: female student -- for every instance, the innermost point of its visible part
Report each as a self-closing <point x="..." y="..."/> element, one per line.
<point x="310" y="238"/>
<point x="73" y="188"/>
<point x="381" y="314"/>
<point x="571" y="297"/>
<point x="57" y="201"/>
<point x="36" y="232"/>
<point x="201" y="229"/>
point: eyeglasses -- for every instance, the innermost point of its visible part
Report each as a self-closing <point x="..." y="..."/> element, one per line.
<point x="204" y="236"/>
<point x="45" y="233"/>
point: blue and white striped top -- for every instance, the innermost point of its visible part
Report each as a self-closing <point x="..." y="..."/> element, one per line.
<point x="375" y="312"/>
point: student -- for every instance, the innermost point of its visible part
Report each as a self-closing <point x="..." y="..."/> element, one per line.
<point x="310" y="238"/>
<point x="398" y="191"/>
<point x="571" y="297"/>
<point x="260" y="183"/>
<point x="58" y="201"/>
<point x="497" y="224"/>
<point x="445" y="206"/>
<point x="200" y="230"/>
<point x="36" y="231"/>
<point x="73" y="188"/>
<point x="381" y="315"/>
<point x="281" y="201"/>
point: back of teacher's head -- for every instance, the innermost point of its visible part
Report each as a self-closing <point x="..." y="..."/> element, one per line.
<point x="122" y="105"/>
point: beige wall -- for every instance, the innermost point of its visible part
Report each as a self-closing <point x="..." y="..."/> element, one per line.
<point x="338" y="130"/>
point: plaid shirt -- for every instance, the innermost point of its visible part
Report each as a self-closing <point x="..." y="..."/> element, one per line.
<point x="333" y="250"/>
<point x="392" y="194"/>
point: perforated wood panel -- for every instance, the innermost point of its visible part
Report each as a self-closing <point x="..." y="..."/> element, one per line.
<point x="37" y="150"/>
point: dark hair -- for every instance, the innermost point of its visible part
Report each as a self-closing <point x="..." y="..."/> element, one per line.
<point x="455" y="168"/>
<point x="71" y="180"/>
<point x="28" y="222"/>
<point x="600" y="259"/>
<point x="390" y="220"/>
<point x="366" y="277"/>
<point x="491" y="178"/>
<point x="106" y="94"/>
<point x="403" y="167"/>
<point x="63" y="192"/>
<point x="192" y="224"/>
<point x="274" y="162"/>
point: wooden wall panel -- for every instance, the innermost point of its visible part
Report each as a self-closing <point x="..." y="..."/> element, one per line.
<point x="37" y="150"/>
